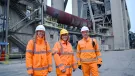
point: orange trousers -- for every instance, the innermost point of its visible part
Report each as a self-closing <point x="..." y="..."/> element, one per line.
<point x="64" y="75"/>
<point x="90" y="68"/>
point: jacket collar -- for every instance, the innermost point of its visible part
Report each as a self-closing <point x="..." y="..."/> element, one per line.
<point x="87" y="40"/>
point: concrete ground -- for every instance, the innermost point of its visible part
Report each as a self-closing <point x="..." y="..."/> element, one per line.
<point x="115" y="63"/>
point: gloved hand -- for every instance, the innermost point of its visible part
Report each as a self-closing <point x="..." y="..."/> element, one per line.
<point x="63" y="71"/>
<point x="99" y="65"/>
<point x="80" y="67"/>
<point x="49" y="71"/>
<point x="74" y="70"/>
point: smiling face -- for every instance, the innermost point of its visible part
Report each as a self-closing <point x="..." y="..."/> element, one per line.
<point x="41" y="33"/>
<point x="64" y="37"/>
<point x="85" y="34"/>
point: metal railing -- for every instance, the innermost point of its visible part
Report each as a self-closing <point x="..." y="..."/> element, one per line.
<point x="8" y="61"/>
<point x="7" y="55"/>
<point x="15" y="26"/>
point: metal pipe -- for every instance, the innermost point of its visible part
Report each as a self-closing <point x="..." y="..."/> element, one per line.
<point x="75" y="7"/>
<point x="66" y="18"/>
<point x="42" y="11"/>
<point x="7" y="24"/>
<point x="44" y="5"/>
<point x="4" y="22"/>
<point x="82" y="6"/>
<point x="92" y="17"/>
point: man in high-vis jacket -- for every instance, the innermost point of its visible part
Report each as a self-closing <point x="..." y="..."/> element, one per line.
<point x="63" y="55"/>
<point x="38" y="54"/>
<point x="88" y="54"/>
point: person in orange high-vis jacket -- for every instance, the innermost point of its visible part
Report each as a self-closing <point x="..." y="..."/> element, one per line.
<point x="88" y="54"/>
<point x="38" y="54"/>
<point x="64" y="56"/>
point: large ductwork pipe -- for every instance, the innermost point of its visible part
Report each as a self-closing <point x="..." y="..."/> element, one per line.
<point x="66" y="18"/>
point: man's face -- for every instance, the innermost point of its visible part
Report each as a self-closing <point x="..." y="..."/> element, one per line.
<point x="64" y="37"/>
<point x="40" y="33"/>
<point x="85" y="34"/>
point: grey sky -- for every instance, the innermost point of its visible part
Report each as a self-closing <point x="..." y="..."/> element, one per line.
<point x="130" y="5"/>
<point x="131" y="10"/>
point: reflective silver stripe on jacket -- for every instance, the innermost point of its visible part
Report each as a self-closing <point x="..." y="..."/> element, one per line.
<point x="99" y="56"/>
<point x="59" y="65"/>
<point x="82" y="51"/>
<point x="36" y="52"/>
<point x="29" y="68"/>
<point x="42" y="68"/>
<point x="30" y="51"/>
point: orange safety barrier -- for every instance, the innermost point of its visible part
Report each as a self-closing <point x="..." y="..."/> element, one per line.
<point x="2" y="56"/>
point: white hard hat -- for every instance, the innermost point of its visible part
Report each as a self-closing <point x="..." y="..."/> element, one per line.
<point x="40" y="27"/>
<point x="84" y="28"/>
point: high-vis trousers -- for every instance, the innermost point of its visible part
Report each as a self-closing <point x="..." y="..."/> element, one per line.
<point x="90" y="68"/>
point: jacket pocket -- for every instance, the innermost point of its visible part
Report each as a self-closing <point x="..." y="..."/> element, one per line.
<point x="82" y="46"/>
<point x="37" y="61"/>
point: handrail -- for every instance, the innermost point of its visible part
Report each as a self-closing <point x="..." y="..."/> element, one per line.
<point x="23" y="19"/>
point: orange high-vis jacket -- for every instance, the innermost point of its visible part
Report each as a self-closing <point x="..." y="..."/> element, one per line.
<point x="38" y="57"/>
<point x="86" y="53"/>
<point x="64" y="57"/>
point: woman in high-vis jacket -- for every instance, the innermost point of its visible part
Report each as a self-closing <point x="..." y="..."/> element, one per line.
<point x="38" y="54"/>
<point x="63" y="55"/>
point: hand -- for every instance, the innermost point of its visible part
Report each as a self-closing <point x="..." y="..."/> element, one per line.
<point x="63" y="71"/>
<point x="49" y="71"/>
<point x="99" y="65"/>
<point x="74" y="70"/>
<point x="80" y="67"/>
